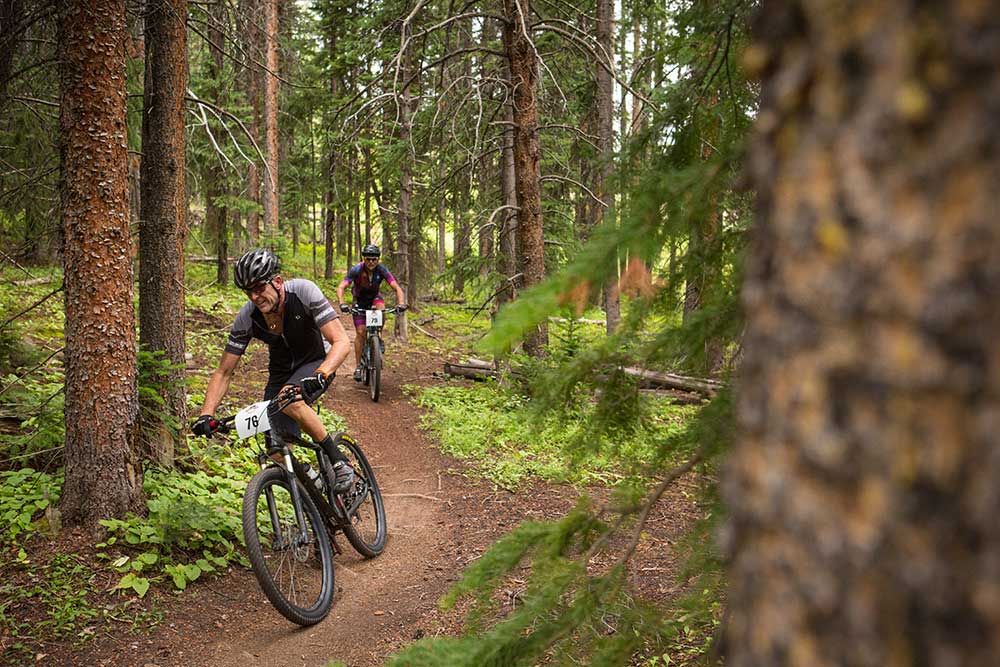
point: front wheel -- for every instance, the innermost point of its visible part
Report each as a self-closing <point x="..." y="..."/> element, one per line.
<point x="295" y="570"/>
<point x="367" y="528"/>
<point x="375" y="367"/>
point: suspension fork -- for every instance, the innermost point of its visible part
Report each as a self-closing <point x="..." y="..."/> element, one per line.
<point x="300" y="518"/>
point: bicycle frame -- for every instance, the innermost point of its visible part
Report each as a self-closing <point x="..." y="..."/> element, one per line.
<point x="371" y="329"/>
<point x="336" y="515"/>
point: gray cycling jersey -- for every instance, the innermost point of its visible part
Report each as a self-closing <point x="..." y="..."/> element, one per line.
<point x="306" y="310"/>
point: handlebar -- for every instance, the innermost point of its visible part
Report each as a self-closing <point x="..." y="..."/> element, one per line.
<point x="357" y="310"/>
<point x="284" y="398"/>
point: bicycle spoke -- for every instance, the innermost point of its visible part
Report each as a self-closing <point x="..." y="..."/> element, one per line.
<point x="295" y="570"/>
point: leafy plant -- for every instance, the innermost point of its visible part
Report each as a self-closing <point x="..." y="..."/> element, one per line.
<point x="24" y="494"/>
<point x="193" y="527"/>
<point x="504" y="436"/>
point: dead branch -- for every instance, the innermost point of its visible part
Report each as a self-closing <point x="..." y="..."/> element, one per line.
<point x="18" y="379"/>
<point x="470" y="372"/>
<point x="423" y="331"/>
<point x="32" y="281"/>
<point x="411" y="495"/>
<point x="578" y="319"/>
<point x="656" y="379"/>
<point x="34" y="305"/>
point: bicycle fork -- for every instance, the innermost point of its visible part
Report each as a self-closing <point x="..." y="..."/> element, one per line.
<point x="272" y="508"/>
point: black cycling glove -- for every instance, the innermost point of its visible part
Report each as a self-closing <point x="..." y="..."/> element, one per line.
<point x="314" y="385"/>
<point x="344" y="308"/>
<point x="401" y="308"/>
<point x="205" y="426"/>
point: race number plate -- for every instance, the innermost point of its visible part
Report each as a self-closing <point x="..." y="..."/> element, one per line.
<point x="373" y="318"/>
<point x="252" y="420"/>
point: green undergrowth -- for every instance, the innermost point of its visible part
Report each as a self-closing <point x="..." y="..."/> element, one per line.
<point x="193" y="527"/>
<point x="507" y="440"/>
<point x="576" y="600"/>
<point x="59" y="599"/>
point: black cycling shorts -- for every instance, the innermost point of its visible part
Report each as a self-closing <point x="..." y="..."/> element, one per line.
<point x="282" y="422"/>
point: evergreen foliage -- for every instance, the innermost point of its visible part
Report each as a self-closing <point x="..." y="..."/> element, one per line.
<point x="672" y="243"/>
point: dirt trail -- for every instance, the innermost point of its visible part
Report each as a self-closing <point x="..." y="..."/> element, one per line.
<point x="439" y="521"/>
<point x="380" y="604"/>
<point x="375" y="598"/>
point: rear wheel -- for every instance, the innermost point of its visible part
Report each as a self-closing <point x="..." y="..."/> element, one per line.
<point x="367" y="529"/>
<point x="295" y="571"/>
<point x="375" y="367"/>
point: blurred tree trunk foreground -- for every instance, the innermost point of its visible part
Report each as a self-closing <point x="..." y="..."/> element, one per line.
<point x="865" y="488"/>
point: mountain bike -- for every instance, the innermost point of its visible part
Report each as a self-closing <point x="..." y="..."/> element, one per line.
<point x="289" y="524"/>
<point x="371" y="356"/>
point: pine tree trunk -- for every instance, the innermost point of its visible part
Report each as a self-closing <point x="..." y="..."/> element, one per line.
<point x="463" y="232"/>
<point x="103" y="474"/>
<point x="507" y="234"/>
<point x="405" y="244"/>
<point x="270" y="185"/>
<point x="863" y="492"/>
<point x="253" y="43"/>
<point x="486" y="186"/>
<point x="331" y="223"/>
<point x="163" y="218"/>
<point x="215" y="186"/>
<point x="523" y="63"/>
<point x="605" y="105"/>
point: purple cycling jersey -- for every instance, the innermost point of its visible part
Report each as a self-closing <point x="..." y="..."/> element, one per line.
<point x="364" y="287"/>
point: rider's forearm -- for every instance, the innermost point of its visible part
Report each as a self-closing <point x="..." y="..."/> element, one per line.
<point x="217" y="386"/>
<point x="335" y="356"/>
<point x="340" y="346"/>
<point x="400" y="297"/>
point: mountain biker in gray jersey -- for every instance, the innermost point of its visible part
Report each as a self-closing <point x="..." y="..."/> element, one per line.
<point x="306" y="342"/>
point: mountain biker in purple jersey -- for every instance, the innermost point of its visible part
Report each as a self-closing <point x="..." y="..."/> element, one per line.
<point x="306" y="344"/>
<point x="365" y="279"/>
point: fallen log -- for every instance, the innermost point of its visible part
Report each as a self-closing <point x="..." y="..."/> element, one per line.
<point x="479" y="363"/>
<point x="654" y="379"/>
<point x="471" y="372"/>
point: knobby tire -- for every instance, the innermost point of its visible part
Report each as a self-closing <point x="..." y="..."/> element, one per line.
<point x="368" y="530"/>
<point x="308" y="568"/>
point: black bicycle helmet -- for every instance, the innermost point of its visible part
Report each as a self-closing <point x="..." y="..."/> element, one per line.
<point x="256" y="266"/>
<point x="371" y="250"/>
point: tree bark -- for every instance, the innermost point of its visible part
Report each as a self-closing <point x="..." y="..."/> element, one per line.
<point x="863" y="489"/>
<point x="216" y="215"/>
<point x="103" y="472"/>
<point x="330" y="221"/>
<point x="404" y="237"/>
<point x="605" y="105"/>
<point x="523" y="62"/>
<point x="163" y="217"/>
<point x="507" y="235"/>
<point x="253" y="43"/>
<point x="270" y="189"/>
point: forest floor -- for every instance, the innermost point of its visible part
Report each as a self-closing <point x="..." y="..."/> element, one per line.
<point x="439" y="519"/>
